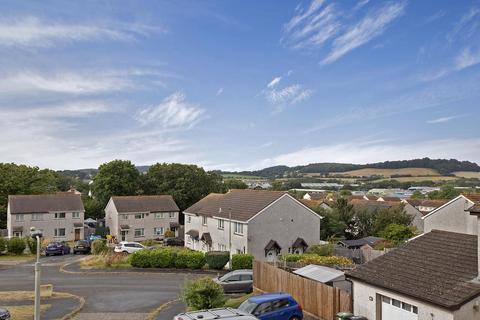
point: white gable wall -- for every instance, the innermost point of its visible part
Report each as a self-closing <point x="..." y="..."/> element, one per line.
<point x="452" y="217"/>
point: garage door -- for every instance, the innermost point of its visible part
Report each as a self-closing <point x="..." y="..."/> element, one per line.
<point x="393" y="309"/>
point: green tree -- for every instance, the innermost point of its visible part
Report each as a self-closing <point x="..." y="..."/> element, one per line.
<point x="398" y="232"/>
<point x="365" y="221"/>
<point x="417" y="195"/>
<point x="345" y="193"/>
<point x="331" y="225"/>
<point x="235" y="184"/>
<point x="387" y="216"/>
<point x="186" y="183"/>
<point x="115" y="178"/>
<point x="93" y="208"/>
<point x="203" y="293"/>
<point x="277" y="186"/>
<point x="446" y="192"/>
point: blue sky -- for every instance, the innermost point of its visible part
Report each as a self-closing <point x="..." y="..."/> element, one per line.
<point x="238" y="84"/>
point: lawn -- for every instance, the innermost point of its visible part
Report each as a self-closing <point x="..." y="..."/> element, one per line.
<point x="20" y="258"/>
<point x="236" y="302"/>
<point x="24" y="312"/>
<point x="115" y="261"/>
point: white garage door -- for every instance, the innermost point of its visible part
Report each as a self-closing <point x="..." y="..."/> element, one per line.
<point x="393" y="309"/>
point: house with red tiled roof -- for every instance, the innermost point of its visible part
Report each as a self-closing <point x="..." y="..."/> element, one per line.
<point x="264" y="223"/>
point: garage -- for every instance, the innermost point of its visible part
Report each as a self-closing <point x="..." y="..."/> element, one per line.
<point x="393" y="309"/>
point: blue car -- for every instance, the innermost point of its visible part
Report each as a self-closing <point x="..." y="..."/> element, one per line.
<point x="273" y="306"/>
<point x="57" y="247"/>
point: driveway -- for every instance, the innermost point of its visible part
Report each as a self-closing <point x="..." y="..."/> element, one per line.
<point x="107" y="295"/>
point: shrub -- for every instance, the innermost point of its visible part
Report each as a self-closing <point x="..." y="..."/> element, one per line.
<point x="397" y="232"/>
<point x="217" y="259"/>
<point x="203" y="293"/>
<point x="16" y="246"/>
<point x="149" y="243"/>
<point x="99" y="246"/>
<point x="321" y="249"/>
<point x="242" y="261"/>
<point x="140" y="259"/>
<point x="169" y="234"/>
<point x="293" y="257"/>
<point x="3" y="244"/>
<point x="329" y="261"/>
<point x="190" y="259"/>
<point x="162" y="258"/>
<point x="32" y="245"/>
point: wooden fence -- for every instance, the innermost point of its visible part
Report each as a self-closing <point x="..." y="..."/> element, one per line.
<point x="315" y="298"/>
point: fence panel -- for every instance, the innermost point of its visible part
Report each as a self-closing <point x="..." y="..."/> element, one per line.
<point x="315" y="298"/>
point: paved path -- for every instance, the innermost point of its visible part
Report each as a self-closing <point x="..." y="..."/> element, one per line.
<point x="107" y="295"/>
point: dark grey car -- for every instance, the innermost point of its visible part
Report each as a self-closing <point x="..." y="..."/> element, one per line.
<point x="221" y="313"/>
<point x="238" y="281"/>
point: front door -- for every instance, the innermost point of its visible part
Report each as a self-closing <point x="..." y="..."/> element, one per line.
<point x="77" y="234"/>
<point x="124" y="235"/>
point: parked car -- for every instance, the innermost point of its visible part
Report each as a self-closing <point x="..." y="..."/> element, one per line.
<point x="4" y="314"/>
<point x="57" y="247"/>
<point x="173" y="242"/>
<point x="221" y="313"/>
<point x="82" y="246"/>
<point x="238" y="281"/>
<point x="273" y="306"/>
<point x="128" y="247"/>
<point x="94" y="237"/>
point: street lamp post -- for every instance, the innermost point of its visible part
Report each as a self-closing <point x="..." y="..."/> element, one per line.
<point x="230" y="238"/>
<point x="37" y="235"/>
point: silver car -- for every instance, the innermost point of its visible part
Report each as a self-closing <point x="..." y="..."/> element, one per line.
<point x="238" y="281"/>
<point x="221" y="313"/>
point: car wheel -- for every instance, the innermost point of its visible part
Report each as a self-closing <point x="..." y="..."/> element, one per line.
<point x="295" y="318"/>
<point x="125" y="253"/>
<point x="46" y="254"/>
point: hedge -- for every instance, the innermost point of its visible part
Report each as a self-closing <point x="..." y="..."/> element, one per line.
<point x="321" y="249"/>
<point x="217" y="259"/>
<point x="99" y="246"/>
<point x="167" y="258"/>
<point x="16" y="246"/>
<point x="32" y="245"/>
<point x="321" y="260"/>
<point x="3" y="244"/>
<point x="242" y="261"/>
<point x="186" y="259"/>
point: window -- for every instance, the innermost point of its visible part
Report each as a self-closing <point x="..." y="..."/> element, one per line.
<point x="204" y="221"/>
<point x="279" y="304"/>
<point x="19" y="217"/>
<point x="406" y="306"/>
<point x="17" y="234"/>
<point x="233" y="278"/>
<point x="37" y="216"/>
<point x="139" y="215"/>
<point x="171" y="215"/>
<point x="139" y="232"/>
<point x="76" y="215"/>
<point x="221" y="224"/>
<point x="60" y="215"/>
<point x="159" y="231"/>
<point x="263" y="308"/>
<point x="396" y="303"/>
<point x="245" y="277"/>
<point x="60" y="232"/>
<point x="189" y="219"/>
<point x="159" y="215"/>
<point x="125" y="216"/>
<point x="238" y="227"/>
<point x="386" y="299"/>
<point x="414" y="309"/>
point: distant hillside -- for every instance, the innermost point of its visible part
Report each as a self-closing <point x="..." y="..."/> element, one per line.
<point x="442" y="166"/>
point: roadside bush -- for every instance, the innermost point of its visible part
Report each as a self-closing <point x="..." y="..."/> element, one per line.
<point x="321" y="249"/>
<point x="16" y="246"/>
<point x="99" y="246"/>
<point x="3" y="244"/>
<point x="162" y="258"/>
<point x="328" y="261"/>
<point x="189" y="259"/>
<point x="149" y="243"/>
<point x="217" y="259"/>
<point x="242" y="261"/>
<point x="203" y="293"/>
<point x="32" y="245"/>
<point x="169" y="234"/>
<point x="140" y="259"/>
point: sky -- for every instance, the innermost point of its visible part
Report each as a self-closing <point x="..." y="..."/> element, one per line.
<point x="240" y="84"/>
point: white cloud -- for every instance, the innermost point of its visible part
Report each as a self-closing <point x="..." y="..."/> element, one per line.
<point x="291" y="94"/>
<point x="467" y="58"/>
<point x="369" y="27"/>
<point x="219" y="91"/>
<point x="34" y="32"/>
<point x="464" y="28"/>
<point x="368" y="152"/>
<point x="172" y="112"/>
<point x="275" y="81"/>
<point x="444" y="119"/>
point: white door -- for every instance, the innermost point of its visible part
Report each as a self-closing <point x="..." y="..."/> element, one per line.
<point x="393" y="309"/>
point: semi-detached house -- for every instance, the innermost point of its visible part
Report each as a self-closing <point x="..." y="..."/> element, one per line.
<point x="59" y="216"/>
<point x="263" y="223"/>
<point x="138" y="218"/>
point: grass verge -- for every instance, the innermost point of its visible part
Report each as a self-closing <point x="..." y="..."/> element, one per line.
<point x="113" y="261"/>
<point x="24" y="312"/>
<point x="20" y="258"/>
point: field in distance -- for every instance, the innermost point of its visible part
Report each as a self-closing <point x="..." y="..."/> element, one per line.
<point x="368" y="172"/>
<point x="467" y="174"/>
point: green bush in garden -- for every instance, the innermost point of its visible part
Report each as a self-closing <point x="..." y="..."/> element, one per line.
<point x="321" y="249"/>
<point x="141" y="259"/>
<point x="242" y="261"/>
<point x="16" y="246"/>
<point x="187" y="259"/>
<point x="3" y="244"/>
<point x="32" y="245"/>
<point x="217" y="259"/>
<point x="203" y="293"/>
<point x="162" y="258"/>
<point x="99" y="246"/>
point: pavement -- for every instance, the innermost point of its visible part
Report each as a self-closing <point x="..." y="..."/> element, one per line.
<point x="107" y="295"/>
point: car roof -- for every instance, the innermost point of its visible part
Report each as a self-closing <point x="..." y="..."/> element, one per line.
<point x="241" y="271"/>
<point x="219" y="313"/>
<point x="269" y="297"/>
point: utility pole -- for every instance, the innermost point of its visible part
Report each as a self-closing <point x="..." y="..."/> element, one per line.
<point x="230" y="238"/>
<point x="36" y="235"/>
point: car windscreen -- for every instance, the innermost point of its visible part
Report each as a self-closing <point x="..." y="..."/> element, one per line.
<point x="248" y="306"/>
<point x="82" y="243"/>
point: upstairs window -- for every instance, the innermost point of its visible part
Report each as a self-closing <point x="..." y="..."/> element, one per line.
<point x="60" y="215"/>
<point x="19" y="217"/>
<point x="171" y="215"/>
<point x="204" y="221"/>
<point x="159" y="215"/>
<point x="37" y="216"/>
<point x="139" y="215"/>
<point x="221" y="224"/>
<point x="76" y="215"/>
<point x="238" y="228"/>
